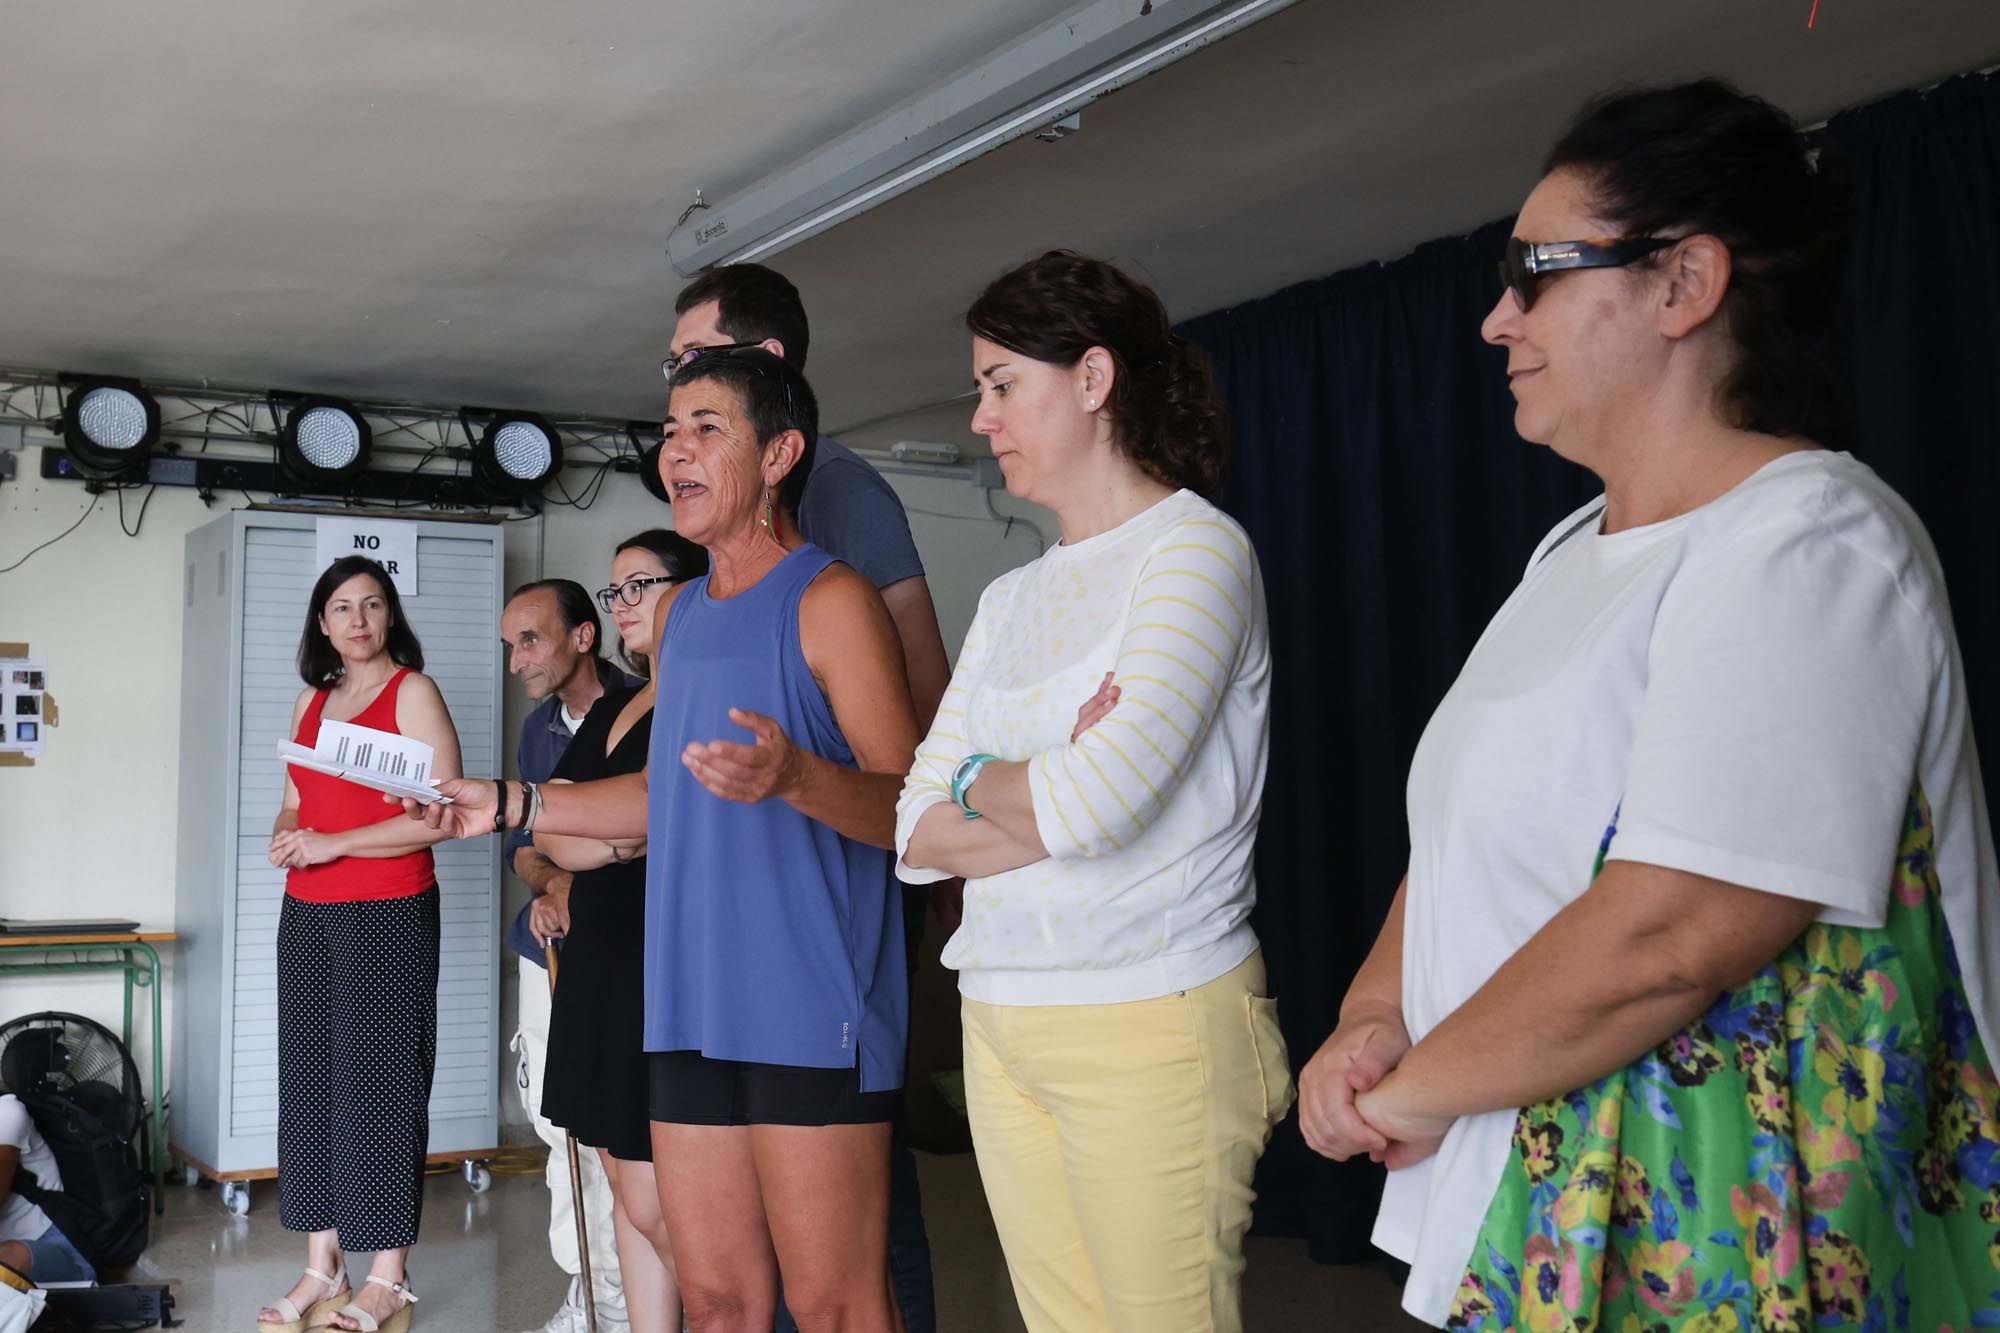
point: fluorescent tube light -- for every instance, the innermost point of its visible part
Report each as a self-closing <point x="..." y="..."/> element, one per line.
<point x="1030" y="85"/>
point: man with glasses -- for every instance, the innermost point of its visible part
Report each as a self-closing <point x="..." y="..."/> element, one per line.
<point x="553" y="641"/>
<point x="852" y="513"/>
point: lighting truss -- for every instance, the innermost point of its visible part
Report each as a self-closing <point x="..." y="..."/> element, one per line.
<point x="216" y="438"/>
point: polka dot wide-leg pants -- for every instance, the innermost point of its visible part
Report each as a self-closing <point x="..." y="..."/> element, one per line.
<point x="357" y="1041"/>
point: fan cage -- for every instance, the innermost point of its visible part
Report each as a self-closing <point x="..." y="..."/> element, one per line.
<point x="78" y="1058"/>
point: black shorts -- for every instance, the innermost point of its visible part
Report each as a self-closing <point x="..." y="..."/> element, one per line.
<point x="688" y="1088"/>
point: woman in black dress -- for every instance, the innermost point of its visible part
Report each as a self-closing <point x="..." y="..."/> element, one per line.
<point x="595" y="1086"/>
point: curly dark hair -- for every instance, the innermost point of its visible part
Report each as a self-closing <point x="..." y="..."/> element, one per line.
<point x="319" y="661"/>
<point x="1703" y="158"/>
<point x="1165" y="415"/>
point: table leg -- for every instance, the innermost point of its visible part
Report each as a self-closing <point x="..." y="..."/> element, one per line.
<point x="157" y="1149"/>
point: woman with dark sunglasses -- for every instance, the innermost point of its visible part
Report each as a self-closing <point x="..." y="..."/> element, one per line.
<point x="776" y="1001"/>
<point x="595" y="1084"/>
<point x="1682" y="1016"/>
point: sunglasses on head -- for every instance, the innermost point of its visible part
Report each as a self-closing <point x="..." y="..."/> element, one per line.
<point x="693" y="354"/>
<point x="754" y="357"/>
<point x="1525" y="265"/>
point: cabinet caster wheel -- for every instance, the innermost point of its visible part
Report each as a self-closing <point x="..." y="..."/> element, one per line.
<point x="190" y="1176"/>
<point x="236" y="1197"/>
<point x="477" y="1178"/>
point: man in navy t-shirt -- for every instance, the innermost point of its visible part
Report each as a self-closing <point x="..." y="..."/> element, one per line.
<point x="853" y="514"/>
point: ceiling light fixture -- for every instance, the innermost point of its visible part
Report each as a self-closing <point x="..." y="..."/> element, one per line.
<point x="649" y="472"/>
<point x="1032" y="85"/>
<point x="324" y="442"/>
<point x="516" y="455"/>
<point x="109" y="426"/>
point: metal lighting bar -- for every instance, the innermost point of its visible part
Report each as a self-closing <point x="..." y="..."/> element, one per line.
<point x="216" y="439"/>
<point x="1046" y="76"/>
<point x="200" y="415"/>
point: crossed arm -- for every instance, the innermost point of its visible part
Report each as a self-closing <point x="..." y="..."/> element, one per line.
<point x="1005" y="836"/>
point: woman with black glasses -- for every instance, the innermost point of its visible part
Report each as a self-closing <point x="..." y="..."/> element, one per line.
<point x="1683" y="1016"/>
<point x="595" y="1082"/>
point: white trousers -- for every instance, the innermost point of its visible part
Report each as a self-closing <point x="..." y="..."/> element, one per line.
<point x="532" y="1045"/>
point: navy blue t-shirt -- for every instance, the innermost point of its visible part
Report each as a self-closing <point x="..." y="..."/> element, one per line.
<point x="850" y="511"/>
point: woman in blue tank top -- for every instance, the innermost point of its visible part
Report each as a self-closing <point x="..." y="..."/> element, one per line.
<point x="775" y="990"/>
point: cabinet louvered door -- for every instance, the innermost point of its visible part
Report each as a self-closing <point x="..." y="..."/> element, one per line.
<point x="455" y="614"/>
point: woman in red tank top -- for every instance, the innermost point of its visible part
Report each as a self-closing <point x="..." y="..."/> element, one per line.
<point x="357" y="965"/>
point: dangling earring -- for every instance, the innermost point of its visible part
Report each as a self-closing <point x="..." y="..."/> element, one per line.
<point x="768" y="517"/>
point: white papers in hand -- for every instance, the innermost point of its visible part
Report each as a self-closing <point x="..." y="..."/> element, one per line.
<point x="381" y="760"/>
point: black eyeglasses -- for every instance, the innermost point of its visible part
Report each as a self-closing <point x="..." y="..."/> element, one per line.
<point x="1525" y="265"/>
<point x="674" y="363"/>
<point x="630" y="592"/>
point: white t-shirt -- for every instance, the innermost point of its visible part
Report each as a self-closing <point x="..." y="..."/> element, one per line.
<point x="1150" y="817"/>
<point x="19" y="1219"/>
<point x="1751" y="688"/>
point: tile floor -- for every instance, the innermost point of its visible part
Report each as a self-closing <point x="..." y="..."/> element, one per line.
<point x="483" y="1263"/>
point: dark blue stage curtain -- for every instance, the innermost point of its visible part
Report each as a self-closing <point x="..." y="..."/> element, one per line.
<point x="1393" y="507"/>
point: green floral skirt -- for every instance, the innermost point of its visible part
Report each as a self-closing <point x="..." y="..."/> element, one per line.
<point x="1819" y="1151"/>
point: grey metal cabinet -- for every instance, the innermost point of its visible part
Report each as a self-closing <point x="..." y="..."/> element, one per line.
<point x="247" y="579"/>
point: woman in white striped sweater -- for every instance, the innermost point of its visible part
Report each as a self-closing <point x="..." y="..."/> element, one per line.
<point x="1123" y="1063"/>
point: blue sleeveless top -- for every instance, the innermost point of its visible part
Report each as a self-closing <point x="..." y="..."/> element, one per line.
<point x="769" y="937"/>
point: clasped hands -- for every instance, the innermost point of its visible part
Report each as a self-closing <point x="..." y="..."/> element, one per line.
<point x="1350" y="1102"/>
<point x="297" y="848"/>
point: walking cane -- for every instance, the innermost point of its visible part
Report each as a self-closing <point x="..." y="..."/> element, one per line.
<point x="575" y="1182"/>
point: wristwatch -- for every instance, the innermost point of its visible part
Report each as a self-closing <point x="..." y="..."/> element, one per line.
<point x="962" y="776"/>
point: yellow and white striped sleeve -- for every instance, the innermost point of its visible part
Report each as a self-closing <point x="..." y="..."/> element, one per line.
<point x="929" y="780"/>
<point x="1191" y="615"/>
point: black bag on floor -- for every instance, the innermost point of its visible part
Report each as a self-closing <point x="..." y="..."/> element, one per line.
<point x="103" y="1204"/>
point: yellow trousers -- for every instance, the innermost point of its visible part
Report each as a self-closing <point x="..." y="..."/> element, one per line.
<point x="1116" y="1143"/>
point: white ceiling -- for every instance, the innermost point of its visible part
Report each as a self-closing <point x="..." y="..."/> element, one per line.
<point x="468" y="200"/>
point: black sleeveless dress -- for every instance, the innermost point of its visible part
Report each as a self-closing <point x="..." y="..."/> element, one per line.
<point x="594" y="1084"/>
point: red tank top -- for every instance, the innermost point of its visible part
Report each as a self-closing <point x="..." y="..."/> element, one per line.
<point x="334" y="805"/>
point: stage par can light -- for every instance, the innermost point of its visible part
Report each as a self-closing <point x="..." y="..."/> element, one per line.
<point x="516" y="455"/>
<point x="109" y="426"/>
<point x="649" y="472"/>
<point x="324" y="441"/>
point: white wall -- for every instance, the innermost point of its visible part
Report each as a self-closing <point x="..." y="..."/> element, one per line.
<point x="90" y="829"/>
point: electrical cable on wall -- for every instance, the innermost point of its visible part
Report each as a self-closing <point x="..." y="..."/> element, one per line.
<point x="592" y="488"/>
<point x="88" y="510"/>
<point x="140" y="522"/>
<point x="1007" y="520"/>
